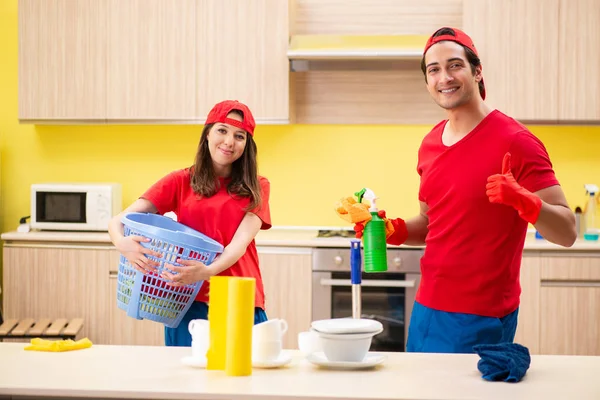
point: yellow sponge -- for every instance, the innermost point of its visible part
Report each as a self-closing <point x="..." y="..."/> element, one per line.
<point x="349" y="210"/>
<point x="39" y="344"/>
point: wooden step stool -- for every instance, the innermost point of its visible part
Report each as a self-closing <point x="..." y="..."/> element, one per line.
<point x="46" y="328"/>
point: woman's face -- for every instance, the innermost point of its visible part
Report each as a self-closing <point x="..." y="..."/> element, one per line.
<point x="226" y="144"/>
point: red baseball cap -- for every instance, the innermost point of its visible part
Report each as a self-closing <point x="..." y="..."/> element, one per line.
<point x="220" y="110"/>
<point x="459" y="37"/>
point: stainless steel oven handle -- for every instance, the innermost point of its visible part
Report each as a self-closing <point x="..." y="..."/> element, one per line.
<point x="369" y="283"/>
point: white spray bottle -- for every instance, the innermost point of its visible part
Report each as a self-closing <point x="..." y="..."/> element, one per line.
<point x="591" y="231"/>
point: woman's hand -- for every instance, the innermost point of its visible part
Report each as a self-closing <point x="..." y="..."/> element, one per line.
<point x="192" y="272"/>
<point x="136" y="254"/>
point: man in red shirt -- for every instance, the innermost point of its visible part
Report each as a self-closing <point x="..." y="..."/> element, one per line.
<point x="484" y="177"/>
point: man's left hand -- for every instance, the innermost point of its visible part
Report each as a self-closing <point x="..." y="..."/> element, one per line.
<point x="504" y="189"/>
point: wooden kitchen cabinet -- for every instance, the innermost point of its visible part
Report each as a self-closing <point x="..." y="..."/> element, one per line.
<point x="152" y="61"/>
<point x="518" y="42"/>
<point x="560" y="303"/>
<point x="62" y="60"/>
<point x="540" y="57"/>
<point x="59" y="281"/>
<point x="72" y="280"/>
<point x="528" y="327"/>
<point x="579" y="60"/>
<point x="241" y="54"/>
<point x="151" y="71"/>
<point x="286" y="274"/>
<point x="570" y="305"/>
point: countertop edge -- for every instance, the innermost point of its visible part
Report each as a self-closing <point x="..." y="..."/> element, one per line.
<point x="283" y="238"/>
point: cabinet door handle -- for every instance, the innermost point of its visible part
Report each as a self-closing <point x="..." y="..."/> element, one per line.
<point x="370" y="283"/>
<point x="113" y="274"/>
<point x="567" y="283"/>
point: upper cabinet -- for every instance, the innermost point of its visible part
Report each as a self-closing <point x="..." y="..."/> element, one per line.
<point x="358" y="62"/>
<point x="62" y="59"/>
<point x="301" y="61"/>
<point x="151" y="60"/>
<point x="579" y="60"/>
<point x="517" y="42"/>
<point x="151" y="65"/>
<point x="242" y="55"/>
<point x="540" y="57"/>
<point x="374" y="17"/>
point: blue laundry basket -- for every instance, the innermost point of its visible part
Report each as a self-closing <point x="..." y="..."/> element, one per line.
<point x="148" y="296"/>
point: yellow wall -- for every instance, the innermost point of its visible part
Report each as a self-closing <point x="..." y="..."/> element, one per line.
<point x="310" y="167"/>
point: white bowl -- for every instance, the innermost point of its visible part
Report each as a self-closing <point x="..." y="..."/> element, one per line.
<point x="346" y="347"/>
<point x="347" y="325"/>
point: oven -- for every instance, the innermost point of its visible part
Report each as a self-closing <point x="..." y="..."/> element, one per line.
<point x="386" y="296"/>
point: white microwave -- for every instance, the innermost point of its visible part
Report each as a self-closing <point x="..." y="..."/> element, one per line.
<point x="74" y="206"/>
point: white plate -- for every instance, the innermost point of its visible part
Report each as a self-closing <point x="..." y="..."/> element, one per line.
<point x="283" y="359"/>
<point x="194" y="362"/>
<point x="347" y="325"/>
<point x="370" y="361"/>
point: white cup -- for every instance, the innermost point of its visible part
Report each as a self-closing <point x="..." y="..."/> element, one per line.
<point x="309" y="342"/>
<point x="199" y="349"/>
<point x="264" y="351"/>
<point x="199" y="329"/>
<point x="269" y="331"/>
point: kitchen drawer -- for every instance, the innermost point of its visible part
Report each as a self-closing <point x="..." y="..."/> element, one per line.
<point x="572" y="268"/>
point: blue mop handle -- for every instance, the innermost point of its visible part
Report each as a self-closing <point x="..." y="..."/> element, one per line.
<point x="355" y="262"/>
<point x="355" y="277"/>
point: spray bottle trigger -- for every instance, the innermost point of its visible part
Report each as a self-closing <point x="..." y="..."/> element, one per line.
<point x="359" y="195"/>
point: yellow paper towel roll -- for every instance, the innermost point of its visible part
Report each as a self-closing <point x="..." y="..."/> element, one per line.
<point x="240" y="320"/>
<point x="217" y="317"/>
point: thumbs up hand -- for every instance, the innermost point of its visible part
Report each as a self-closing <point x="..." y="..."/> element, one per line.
<point x="504" y="189"/>
<point x="501" y="188"/>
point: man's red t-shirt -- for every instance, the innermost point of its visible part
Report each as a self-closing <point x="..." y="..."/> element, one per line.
<point x="473" y="249"/>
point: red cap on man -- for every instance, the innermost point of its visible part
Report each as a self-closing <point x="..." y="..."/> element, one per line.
<point x="459" y="37"/>
<point x="220" y="111"/>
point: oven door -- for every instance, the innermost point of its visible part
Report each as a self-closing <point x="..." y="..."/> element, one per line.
<point x="386" y="297"/>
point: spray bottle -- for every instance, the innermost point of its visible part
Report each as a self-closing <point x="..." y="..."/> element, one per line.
<point x="591" y="231"/>
<point x="374" y="236"/>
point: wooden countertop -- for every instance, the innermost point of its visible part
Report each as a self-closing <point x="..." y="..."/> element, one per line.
<point x="277" y="237"/>
<point x="156" y="372"/>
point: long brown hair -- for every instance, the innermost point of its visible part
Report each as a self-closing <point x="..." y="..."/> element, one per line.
<point x="244" y="171"/>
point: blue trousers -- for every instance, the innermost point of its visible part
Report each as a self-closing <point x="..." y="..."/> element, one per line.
<point x="180" y="336"/>
<point x="433" y="331"/>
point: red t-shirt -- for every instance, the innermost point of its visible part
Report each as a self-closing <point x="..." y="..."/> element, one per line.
<point x="218" y="217"/>
<point x="473" y="249"/>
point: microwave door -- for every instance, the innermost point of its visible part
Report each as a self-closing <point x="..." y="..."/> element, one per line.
<point x="61" y="207"/>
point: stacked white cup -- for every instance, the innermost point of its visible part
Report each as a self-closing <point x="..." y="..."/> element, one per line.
<point x="199" y="329"/>
<point x="309" y="342"/>
<point x="267" y="340"/>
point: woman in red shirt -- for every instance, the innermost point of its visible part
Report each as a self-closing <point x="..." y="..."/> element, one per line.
<point x="221" y="196"/>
